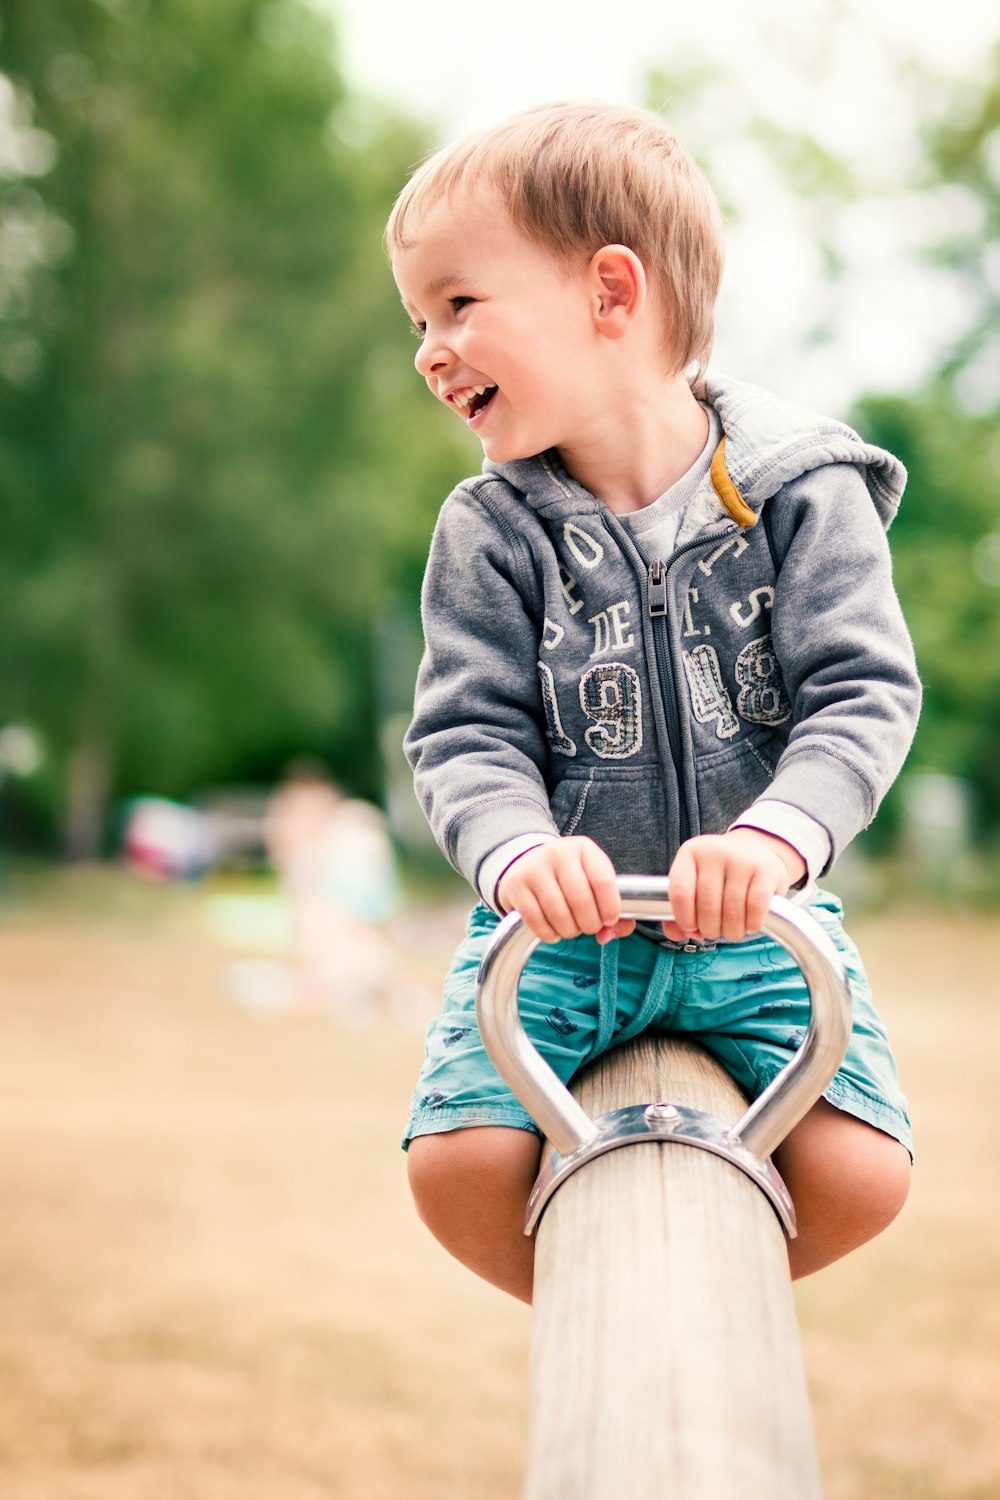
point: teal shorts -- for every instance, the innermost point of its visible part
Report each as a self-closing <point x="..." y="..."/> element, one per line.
<point x="746" y="1003"/>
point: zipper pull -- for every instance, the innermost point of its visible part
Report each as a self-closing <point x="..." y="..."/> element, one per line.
<point x="657" y="589"/>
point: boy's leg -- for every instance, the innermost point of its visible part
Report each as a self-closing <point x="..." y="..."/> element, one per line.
<point x="473" y="1153"/>
<point x="847" y="1163"/>
<point x="848" y="1181"/>
<point x="471" y="1189"/>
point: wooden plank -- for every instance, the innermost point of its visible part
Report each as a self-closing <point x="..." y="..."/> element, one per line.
<point x="666" y="1359"/>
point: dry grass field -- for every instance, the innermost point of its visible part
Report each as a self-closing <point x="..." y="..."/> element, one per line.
<point x="212" y="1285"/>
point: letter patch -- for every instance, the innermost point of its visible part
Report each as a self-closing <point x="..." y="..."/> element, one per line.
<point x="552" y="634"/>
<point x="709" y="699"/>
<point x="762" y="697"/>
<point x="690" y="628"/>
<point x="612" y="631"/>
<point x="568" y="584"/>
<point x="584" y="548"/>
<point x="611" y="695"/>
<point x="739" y="544"/>
<point x="556" y="735"/>
<point x="762" y="598"/>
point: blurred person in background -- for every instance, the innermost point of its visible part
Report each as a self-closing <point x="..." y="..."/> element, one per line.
<point x="338" y="869"/>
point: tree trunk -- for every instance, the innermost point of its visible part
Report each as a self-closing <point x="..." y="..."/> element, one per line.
<point x="88" y="784"/>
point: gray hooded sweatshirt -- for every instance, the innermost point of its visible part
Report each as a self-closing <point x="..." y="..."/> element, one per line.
<point x="573" y="685"/>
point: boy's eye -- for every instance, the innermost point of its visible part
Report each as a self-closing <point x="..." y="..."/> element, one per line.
<point x="419" y="330"/>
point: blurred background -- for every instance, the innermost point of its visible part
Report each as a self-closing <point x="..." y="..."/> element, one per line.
<point x="221" y="922"/>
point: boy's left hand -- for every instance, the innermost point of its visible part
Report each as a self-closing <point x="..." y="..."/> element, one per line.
<point x="721" y="884"/>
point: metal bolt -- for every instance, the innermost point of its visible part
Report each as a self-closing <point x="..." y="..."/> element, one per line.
<point x="661" y="1112"/>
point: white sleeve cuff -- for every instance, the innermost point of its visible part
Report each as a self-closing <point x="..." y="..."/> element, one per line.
<point x="495" y="866"/>
<point x="806" y="836"/>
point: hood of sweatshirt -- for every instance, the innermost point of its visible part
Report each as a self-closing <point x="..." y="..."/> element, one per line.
<point x="767" y="443"/>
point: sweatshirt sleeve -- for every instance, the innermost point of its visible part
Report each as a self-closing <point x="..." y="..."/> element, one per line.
<point x="845" y="655"/>
<point x="477" y="740"/>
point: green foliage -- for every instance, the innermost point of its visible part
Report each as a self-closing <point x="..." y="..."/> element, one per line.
<point x="963" y="152"/>
<point x="941" y="544"/>
<point x="946" y="542"/>
<point x="215" y="473"/>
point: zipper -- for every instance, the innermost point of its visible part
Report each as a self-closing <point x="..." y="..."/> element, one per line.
<point x="657" y="588"/>
<point x="658" y="605"/>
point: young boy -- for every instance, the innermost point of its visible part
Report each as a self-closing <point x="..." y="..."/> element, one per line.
<point x="661" y="635"/>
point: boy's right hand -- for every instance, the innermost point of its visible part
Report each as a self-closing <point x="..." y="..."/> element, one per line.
<point x="564" y="888"/>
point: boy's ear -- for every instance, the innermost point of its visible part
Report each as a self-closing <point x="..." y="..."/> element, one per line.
<point x="619" y="286"/>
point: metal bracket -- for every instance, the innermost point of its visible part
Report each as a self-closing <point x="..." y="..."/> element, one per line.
<point x="749" y="1143"/>
<point x="661" y="1122"/>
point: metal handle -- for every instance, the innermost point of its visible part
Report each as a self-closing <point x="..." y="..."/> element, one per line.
<point x="771" y="1116"/>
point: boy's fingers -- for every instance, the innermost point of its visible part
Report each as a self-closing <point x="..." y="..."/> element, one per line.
<point x="735" y="905"/>
<point x="758" y="901"/>
<point x="683" y="891"/>
<point x="697" y="882"/>
<point x="534" y="894"/>
<point x="621" y="929"/>
<point x="530" y="910"/>
<point x="557" y="908"/>
<point x="678" y="934"/>
<point x="600" y="874"/>
<point x="565" y="899"/>
<point x="582" y="909"/>
<point x="593" y="888"/>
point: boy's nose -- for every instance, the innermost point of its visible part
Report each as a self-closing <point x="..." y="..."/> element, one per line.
<point x="429" y="359"/>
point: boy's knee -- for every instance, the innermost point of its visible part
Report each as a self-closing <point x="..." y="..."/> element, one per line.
<point x="848" y="1182"/>
<point x="890" y="1182"/>
<point x="430" y="1165"/>
<point x="876" y="1177"/>
<point x="470" y="1188"/>
<point x="470" y="1175"/>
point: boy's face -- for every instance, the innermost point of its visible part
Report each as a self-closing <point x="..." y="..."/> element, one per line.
<point x="507" y="332"/>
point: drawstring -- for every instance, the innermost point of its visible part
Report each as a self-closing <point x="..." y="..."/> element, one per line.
<point x="607" y="999"/>
<point x="652" y="1002"/>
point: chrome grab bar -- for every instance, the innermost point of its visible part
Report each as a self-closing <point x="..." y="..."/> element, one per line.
<point x="768" y="1119"/>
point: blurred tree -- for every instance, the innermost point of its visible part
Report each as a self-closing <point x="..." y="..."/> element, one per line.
<point x="946" y="553"/>
<point x="216" y="472"/>
<point x="963" y="152"/>
<point x="946" y="541"/>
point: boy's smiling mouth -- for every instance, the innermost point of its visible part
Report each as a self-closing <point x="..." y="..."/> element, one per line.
<point x="472" y="401"/>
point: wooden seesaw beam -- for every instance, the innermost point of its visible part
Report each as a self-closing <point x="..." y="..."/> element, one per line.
<point x="666" y="1360"/>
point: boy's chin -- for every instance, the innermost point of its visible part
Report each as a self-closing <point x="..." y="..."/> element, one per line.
<point x="499" y="451"/>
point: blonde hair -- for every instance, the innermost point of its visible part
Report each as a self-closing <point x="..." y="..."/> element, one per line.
<point x="577" y="176"/>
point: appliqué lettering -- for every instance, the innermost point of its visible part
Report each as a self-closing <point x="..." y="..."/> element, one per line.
<point x="710" y="701"/>
<point x="759" y="599"/>
<point x="584" y="548"/>
<point x="552" y="635"/>
<point x="738" y="543"/>
<point x="611" y="695"/>
<point x="762" y="698"/>
<point x="690" y="628"/>
<point x="568" y="583"/>
<point x="555" y="734"/>
<point x="612" y="631"/>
